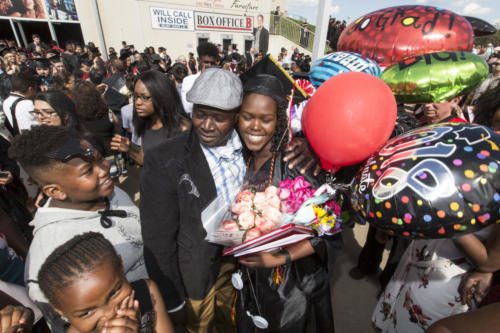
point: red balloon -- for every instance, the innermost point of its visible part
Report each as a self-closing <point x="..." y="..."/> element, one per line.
<point x="349" y="118"/>
<point x="393" y="34"/>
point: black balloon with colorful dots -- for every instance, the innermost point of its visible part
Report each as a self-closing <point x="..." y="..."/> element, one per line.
<point x="433" y="182"/>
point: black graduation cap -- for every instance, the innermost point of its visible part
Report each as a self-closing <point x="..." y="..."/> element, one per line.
<point x="57" y="53"/>
<point x="55" y="58"/>
<point x="7" y="49"/>
<point x="41" y="63"/>
<point x="270" y="66"/>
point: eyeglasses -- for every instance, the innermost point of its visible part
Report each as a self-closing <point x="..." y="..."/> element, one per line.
<point x="44" y="114"/>
<point x="495" y="64"/>
<point x="144" y="98"/>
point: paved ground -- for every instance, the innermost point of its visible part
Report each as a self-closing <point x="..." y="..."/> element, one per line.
<point x="353" y="301"/>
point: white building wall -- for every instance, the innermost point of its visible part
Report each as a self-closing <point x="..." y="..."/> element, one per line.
<point x="130" y="21"/>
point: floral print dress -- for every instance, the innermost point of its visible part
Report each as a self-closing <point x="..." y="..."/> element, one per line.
<point x="424" y="288"/>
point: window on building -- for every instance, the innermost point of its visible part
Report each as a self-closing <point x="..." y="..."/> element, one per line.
<point x="202" y="40"/>
<point x="226" y="43"/>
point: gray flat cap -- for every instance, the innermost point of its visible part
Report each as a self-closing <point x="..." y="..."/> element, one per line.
<point x="216" y="88"/>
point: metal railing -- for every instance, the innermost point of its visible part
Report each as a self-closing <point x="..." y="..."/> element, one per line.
<point x="281" y="25"/>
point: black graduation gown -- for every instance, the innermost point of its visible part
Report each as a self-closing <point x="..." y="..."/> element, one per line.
<point x="302" y="302"/>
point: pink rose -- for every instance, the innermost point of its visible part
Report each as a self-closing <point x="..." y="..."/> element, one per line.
<point x="251" y="234"/>
<point x="284" y="193"/>
<point x="274" y="201"/>
<point x="245" y="196"/>
<point x="300" y="183"/>
<point x="259" y="200"/>
<point x="259" y="220"/>
<point x="271" y="191"/>
<point x="271" y="214"/>
<point x="267" y="226"/>
<point x="287" y="183"/>
<point x="246" y="220"/>
<point x="240" y="208"/>
<point x="229" y="226"/>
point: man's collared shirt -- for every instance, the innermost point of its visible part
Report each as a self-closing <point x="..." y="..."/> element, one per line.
<point x="227" y="167"/>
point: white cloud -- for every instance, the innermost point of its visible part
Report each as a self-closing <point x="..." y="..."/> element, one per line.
<point x="335" y="9"/>
<point x="422" y="2"/>
<point x="303" y="3"/>
<point x="473" y="8"/>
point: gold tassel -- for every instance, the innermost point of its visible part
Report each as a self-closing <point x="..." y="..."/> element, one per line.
<point x="277" y="277"/>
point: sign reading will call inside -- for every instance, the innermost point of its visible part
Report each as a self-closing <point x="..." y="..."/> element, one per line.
<point x="178" y="19"/>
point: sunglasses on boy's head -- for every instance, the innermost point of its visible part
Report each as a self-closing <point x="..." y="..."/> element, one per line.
<point x="71" y="149"/>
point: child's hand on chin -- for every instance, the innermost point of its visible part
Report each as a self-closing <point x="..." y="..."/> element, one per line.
<point x="127" y="317"/>
<point x="16" y="319"/>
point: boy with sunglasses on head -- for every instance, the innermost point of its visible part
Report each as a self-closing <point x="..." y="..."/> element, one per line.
<point x="82" y="198"/>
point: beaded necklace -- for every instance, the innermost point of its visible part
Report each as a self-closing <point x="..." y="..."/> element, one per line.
<point x="271" y="172"/>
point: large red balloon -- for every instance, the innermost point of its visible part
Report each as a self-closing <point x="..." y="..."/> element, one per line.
<point x="393" y="34"/>
<point x="349" y="118"/>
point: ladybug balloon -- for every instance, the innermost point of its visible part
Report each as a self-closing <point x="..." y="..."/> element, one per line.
<point x="393" y="34"/>
<point x="433" y="182"/>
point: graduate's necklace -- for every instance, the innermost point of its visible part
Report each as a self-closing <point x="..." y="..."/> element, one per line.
<point x="271" y="171"/>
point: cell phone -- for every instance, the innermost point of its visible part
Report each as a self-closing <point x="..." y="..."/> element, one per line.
<point x="4" y="174"/>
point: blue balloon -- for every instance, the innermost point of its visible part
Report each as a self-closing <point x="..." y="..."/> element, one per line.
<point x="340" y="62"/>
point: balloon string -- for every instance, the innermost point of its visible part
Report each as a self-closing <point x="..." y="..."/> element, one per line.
<point x="493" y="145"/>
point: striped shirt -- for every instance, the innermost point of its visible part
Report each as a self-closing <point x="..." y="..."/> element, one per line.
<point x="227" y="167"/>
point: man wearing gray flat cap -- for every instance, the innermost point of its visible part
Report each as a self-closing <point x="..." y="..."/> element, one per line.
<point x="189" y="176"/>
<point x="181" y="178"/>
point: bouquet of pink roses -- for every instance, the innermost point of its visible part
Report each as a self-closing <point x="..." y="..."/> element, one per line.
<point x="255" y="212"/>
<point x="295" y="201"/>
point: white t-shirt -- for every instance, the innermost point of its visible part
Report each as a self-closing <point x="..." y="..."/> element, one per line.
<point x="127" y="112"/>
<point x="23" y="112"/>
<point x="187" y="84"/>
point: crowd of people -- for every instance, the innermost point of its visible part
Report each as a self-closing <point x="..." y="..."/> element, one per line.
<point x="79" y="256"/>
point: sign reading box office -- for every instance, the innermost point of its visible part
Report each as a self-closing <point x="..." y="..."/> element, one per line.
<point x="223" y="22"/>
<point x="172" y="19"/>
<point x="178" y="19"/>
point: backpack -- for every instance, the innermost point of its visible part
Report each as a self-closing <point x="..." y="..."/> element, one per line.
<point x="14" y="128"/>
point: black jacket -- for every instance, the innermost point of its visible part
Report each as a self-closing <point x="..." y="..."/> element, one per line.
<point x="263" y="40"/>
<point x="176" y="186"/>
<point x="302" y="301"/>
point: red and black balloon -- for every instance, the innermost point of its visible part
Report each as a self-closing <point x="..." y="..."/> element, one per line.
<point x="393" y="34"/>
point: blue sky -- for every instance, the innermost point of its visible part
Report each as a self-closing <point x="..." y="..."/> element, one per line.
<point x="349" y="10"/>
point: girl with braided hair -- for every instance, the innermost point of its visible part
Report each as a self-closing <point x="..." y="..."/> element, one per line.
<point x="83" y="280"/>
<point x="301" y="301"/>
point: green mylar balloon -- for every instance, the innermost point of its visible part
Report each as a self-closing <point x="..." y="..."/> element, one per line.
<point x="435" y="77"/>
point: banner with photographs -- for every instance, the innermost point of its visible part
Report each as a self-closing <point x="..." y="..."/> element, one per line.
<point x="63" y="10"/>
<point x="32" y="9"/>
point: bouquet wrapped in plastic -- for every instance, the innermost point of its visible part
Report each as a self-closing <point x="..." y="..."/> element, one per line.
<point x="294" y="203"/>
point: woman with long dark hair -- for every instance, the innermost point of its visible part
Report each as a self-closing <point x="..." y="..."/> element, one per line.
<point x="301" y="302"/>
<point x="158" y="114"/>
<point x="54" y="108"/>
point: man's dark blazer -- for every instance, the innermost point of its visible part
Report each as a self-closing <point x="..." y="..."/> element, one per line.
<point x="176" y="186"/>
<point x="263" y="40"/>
<point x="249" y="59"/>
